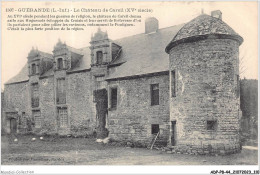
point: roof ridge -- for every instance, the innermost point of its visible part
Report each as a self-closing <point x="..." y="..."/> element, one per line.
<point x="151" y="33"/>
<point x="138" y="34"/>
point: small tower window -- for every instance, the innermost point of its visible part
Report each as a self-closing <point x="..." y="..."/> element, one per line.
<point x="173" y="83"/>
<point x="211" y="125"/>
<point x="99" y="57"/>
<point x="33" y="69"/>
<point x="60" y="63"/>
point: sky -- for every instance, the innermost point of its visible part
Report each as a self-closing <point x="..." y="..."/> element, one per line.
<point x="241" y="16"/>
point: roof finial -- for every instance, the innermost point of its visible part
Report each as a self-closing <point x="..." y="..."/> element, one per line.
<point x="202" y="11"/>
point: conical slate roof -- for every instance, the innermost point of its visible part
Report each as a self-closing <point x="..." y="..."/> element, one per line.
<point x="201" y="27"/>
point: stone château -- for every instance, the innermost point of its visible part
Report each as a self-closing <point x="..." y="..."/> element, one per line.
<point x="181" y="82"/>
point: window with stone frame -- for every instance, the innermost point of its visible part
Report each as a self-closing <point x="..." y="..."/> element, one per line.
<point x="173" y="83"/>
<point x="61" y="91"/>
<point x="113" y="99"/>
<point x="100" y="82"/>
<point x="35" y="95"/>
<point x="211" y="125"/>
<point x="155" y="128"/>
<point x="154" y="94"/>
<point x="59" y="63"/>
<point x="38" y="119"/>
<point x="63" y="117"/>
<point x="33" y="69"/>
<point x="99" y="55"/>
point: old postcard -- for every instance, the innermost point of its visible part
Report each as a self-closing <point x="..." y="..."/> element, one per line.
<point x="129" y="83"/>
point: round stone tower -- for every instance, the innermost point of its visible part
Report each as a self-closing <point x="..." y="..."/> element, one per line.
<point x="204" y="81"/>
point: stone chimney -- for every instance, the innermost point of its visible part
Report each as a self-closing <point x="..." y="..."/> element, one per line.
<point x="217" y="14"/>
<point x="151" y="25"/>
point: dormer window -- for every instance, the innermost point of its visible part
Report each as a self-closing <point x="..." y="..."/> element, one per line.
<point x="60" y="63"/>
<point x="33" y="69"/>
<point x="99" y="57"/>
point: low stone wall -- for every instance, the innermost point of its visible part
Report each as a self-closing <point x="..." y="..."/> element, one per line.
<point x="216" y="149"/>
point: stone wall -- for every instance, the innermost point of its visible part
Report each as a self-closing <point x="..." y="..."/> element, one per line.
<point x="16" y="99"/>
<point x="80" y="103"/>
<point x="132" y="119"/>
<point x="47" y="106"/>
<point x="206" y="84"/>
<point x="16" y="96"/>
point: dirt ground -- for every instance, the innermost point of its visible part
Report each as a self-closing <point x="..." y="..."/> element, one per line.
<point x="85" y="151"/>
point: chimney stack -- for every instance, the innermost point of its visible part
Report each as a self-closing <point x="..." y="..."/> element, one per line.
<point x="217" y="14"/>
<point x="151" y="25"/>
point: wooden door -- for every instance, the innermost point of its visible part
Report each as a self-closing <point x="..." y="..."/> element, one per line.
<point x="101" y="111"/>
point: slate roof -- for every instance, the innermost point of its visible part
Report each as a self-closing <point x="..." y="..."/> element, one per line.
<point x="44" y="54"/>
<point x="21" y="76"/>
<point x="144" y="53"/>
<point x="85" y="62"/>
<point x="35" y="52"/>
<point x="140" y="54"/>
<point x="48" y="73"/>
<point x="201" y="26"/>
